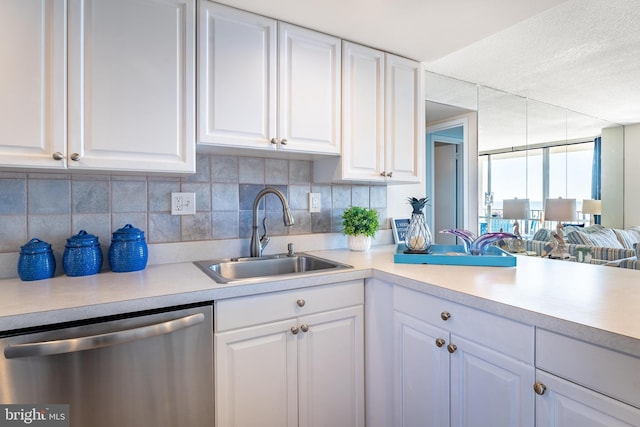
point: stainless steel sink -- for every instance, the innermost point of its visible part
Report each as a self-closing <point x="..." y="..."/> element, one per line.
<point x="236" y="269"/>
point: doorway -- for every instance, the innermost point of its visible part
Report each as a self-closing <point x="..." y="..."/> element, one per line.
<point x="445" y="145"/>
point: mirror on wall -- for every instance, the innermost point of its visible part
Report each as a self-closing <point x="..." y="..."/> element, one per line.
<point x="531" y="149"/>
<point x="451" y="155"/>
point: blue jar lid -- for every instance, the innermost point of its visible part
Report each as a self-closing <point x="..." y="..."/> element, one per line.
<point x="127" y="233"/>
<point x="35" y="246"/>
<point x="82" y="239"/>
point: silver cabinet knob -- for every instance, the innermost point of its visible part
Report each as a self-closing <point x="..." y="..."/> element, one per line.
<point x="390" y="174"/>
<point x="57" y="156"/>
<point x="295" y="330"/>
<point x="301" y="302"/>
<point x="451" y="348"/>
<point x="304" y="328"/>
<point x="445" y="315"/>
<point x="383" y="173"/>
<point x="75" y="157"/>
<point x="440" y="342"/>
<point x="284" y="141"/>
<point x="274" y="141"/>
<point x="539" y="388"/>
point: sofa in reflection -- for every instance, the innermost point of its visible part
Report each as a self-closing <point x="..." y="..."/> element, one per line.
<point x="594" y="244"/>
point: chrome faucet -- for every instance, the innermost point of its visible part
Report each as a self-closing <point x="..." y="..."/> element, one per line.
<point x="258" y="245"/>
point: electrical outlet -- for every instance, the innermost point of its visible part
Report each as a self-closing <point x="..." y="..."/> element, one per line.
<point x="315" y="203"/>
<point x="183" y="203"/>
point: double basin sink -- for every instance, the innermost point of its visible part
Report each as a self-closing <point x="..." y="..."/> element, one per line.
<point x="231" y="270"/>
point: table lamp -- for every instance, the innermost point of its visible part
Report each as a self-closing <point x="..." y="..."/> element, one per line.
<point x="559" y="210"/>
<point x="592" y="207"/>
<point x="515" y="209"/>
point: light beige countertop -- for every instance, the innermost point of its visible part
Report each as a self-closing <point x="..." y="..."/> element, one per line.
<point x="595" y="303"/>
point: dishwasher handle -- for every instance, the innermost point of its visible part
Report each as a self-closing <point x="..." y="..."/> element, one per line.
<point x="69" y="345"/>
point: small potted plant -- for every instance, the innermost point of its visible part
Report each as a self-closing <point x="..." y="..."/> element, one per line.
<point x="360" y="225"/>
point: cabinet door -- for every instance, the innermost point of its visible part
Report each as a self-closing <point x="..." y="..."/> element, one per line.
<point x="256" y="380"/>
<point x="421" y="373"/>
<point x="489" y="388"/>
<point x="331" y="369"/>
<point x="309" y="90"/>
<point x="565" y="404"/>
<point x="237" y="77"/>
<point x="404" y="119"/>
<point x="33" y="102"/>
<point x="362" y="113"/>
<point x="132" y="85"/>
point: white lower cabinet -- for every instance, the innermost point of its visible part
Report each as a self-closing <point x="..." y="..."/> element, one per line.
<point x="458" y="366"/>
<point x="565" y="404"/>
<point x="291" y="358"/>
<point x="421" y="374"/>
<point x="583" y="384"/>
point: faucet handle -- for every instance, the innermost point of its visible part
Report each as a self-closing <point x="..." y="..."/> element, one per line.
<point x="264" y="239"/>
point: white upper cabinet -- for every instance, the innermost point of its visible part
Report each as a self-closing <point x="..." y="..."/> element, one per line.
<point x="104" y="85"/>
<point x="32" y="87"/>
<point x="404" y="119"/>
<point x="382" y="119"/>
<point x="237" y="77"/>
<point x="132" y="85"/>
<point x="267" y="85"/>
<point x="310" y="85"/>
<point x="363" y="113"/>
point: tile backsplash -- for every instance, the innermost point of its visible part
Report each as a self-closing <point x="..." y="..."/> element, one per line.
<point x="54" y="206"/>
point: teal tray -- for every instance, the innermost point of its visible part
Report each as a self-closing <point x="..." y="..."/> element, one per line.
<point x="495" y="257"/>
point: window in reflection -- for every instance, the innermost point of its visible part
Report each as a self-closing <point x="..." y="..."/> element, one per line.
<point x="534" y="174"/>
<point x="570" y="171"/>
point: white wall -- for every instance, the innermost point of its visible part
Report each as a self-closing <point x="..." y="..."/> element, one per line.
<point x="613" y="177"/>
<point x="631" y="175"/>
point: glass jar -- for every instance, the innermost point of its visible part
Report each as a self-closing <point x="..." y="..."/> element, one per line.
<point x="418" y="237"/>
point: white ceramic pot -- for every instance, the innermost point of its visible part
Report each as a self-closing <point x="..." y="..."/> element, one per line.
<point x="359" y="242"/>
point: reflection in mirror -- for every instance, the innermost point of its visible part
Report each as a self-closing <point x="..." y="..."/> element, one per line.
<point x="532" y="150"/>
<point x="448" y="91"/>
<point x="559" y="153"/>
<point x="451" y="155"/>
<point x="502" y="124"/>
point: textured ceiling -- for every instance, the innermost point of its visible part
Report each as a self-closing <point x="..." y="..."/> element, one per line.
<point x="583" y="55"/>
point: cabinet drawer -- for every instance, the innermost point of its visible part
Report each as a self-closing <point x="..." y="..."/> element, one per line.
<point x="241" y="312"/>
<point x="598" y="368"/>
<point x="507" y="336"/>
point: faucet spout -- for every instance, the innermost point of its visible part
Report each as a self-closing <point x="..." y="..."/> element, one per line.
<point x="258" y="244"/>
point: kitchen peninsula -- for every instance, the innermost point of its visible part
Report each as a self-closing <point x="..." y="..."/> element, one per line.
<point x="553" y="319"/>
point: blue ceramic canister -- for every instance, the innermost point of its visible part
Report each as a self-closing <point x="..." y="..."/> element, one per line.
<point x="82" y="255"/>
<point x="128" y="250"/>
<point x="36" y="261"/>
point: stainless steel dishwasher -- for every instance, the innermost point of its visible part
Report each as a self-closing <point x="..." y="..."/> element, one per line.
<point x="144" y="369"/>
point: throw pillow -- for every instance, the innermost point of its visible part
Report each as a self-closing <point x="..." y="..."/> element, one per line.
<point x="626" y="237"/>
<point x="578" y="238"/>
<point x="634" y="233"/>
<point x="542" y="235"/>
<point x="605" y="238"/>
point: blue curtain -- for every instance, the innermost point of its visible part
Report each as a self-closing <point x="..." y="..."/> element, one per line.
<point x="596" y="174"/>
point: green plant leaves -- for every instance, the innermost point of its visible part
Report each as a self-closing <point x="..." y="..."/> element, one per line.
<point x="357" y="220"/>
